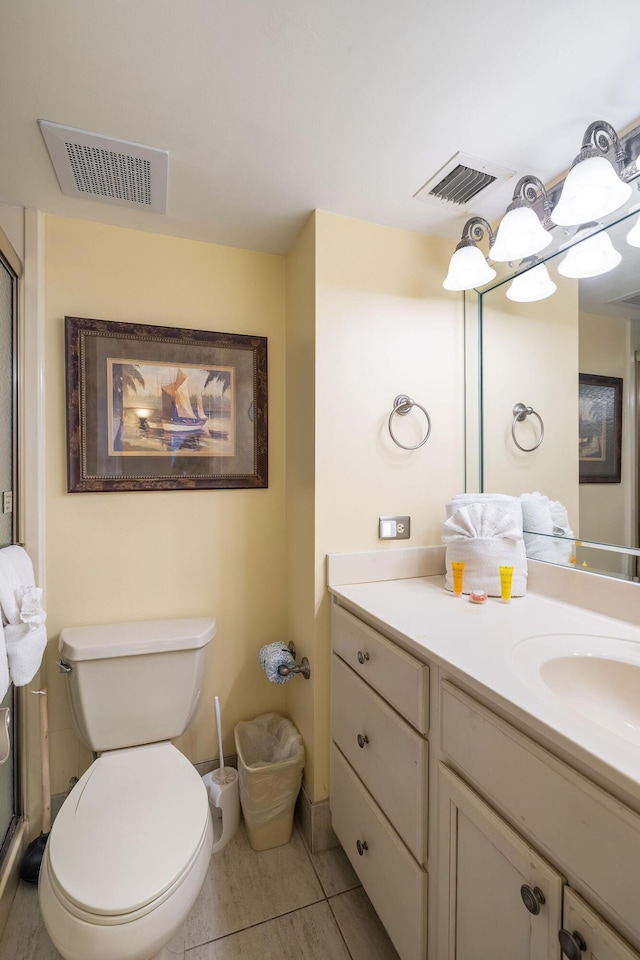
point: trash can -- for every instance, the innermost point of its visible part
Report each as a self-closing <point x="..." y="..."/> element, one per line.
<point x="270" y="763"/>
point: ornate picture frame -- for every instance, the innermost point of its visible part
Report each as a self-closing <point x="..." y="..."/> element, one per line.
<point x="164" y="408"/>
<point x="600" y="428"/>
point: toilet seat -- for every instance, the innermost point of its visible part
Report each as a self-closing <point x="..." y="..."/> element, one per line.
<point x="128" y="834"/>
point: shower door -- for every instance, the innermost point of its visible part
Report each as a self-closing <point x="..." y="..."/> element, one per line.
<point x="8" y="432"/>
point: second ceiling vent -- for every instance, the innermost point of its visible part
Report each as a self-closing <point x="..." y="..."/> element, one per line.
<point x="461" y="180"/>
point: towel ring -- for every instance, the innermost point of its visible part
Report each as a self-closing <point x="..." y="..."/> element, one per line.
<point x="520" y="413"/>
<point x="404" y="405"/>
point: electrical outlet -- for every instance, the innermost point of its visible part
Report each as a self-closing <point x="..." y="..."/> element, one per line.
<point x="394" y="528"/>
<point x="7" y="501"/>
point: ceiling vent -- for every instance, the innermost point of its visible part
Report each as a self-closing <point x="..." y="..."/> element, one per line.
<point x="629" y="300"/>
<point x="461" y="180"/>
<point x="102" y="168"/>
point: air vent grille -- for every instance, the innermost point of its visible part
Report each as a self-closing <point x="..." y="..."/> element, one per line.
<point x="462" y="179"/>
<point x="461" y="185"/>
<point x="115" y="171"/>
<point x="107" y="173"/>
<point x="630" y="300"/>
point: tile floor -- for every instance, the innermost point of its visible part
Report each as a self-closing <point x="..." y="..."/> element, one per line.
<point x="280" y="904"/>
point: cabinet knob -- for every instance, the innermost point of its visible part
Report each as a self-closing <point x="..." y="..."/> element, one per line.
<point x="362" y="741"/>
<point x="362" y="656"/>
<point x="361" y="846"/>
<point x="532" y="898"/>
<point x="571" y="944"/>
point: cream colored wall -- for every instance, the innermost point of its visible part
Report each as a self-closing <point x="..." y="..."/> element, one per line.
<point x="128" y="556"/>
<point x="384" y="326"/>
<point x="530" y="356"/>
<point x="603" y="351"/>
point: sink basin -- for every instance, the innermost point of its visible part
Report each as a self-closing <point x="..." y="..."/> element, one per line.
<point x="595" y="677"/>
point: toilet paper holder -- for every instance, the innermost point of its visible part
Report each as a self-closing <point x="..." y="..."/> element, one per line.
<point x="304" y="667"/>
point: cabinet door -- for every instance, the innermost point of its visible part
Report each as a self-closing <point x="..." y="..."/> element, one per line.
<point x="486" y="872"/>
<point x="599" y="940"/>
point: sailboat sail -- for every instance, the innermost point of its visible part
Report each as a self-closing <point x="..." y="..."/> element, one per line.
<point x="178" y="415"/>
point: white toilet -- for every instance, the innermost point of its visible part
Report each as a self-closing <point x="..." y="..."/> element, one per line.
<point x="129" y="850"/>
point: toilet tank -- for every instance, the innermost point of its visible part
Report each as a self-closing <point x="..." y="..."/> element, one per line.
<point x="132" y="683"/>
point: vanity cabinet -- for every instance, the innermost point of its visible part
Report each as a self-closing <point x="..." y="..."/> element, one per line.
<point x="522" y="856"/>
<point x="379" y="774"/>
<point x="502" y="899"/>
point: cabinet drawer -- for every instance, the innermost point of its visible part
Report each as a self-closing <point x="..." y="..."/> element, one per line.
<point x="392" y="762"/>
<point x="396" y="675"/>
<point x="394" y="882"/>
<point x="580" y="827"/>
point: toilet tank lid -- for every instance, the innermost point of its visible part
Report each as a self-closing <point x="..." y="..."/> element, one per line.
<point x="134" y="639"/>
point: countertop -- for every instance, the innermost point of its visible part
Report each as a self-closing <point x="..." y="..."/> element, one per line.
<point x="475" y="643"/>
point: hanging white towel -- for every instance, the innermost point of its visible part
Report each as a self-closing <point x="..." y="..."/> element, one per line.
<point x="25" y="636"/>
<point x="4" y="665"/>
<point x="485" y="536"/>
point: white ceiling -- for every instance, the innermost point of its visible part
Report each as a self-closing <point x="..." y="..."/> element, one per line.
<point x="271" y="108"/>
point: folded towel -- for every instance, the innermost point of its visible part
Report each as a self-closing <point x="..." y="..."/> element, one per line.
<point x="25" y="635"/>
<point x="485" y="532"/>
<point x="275" y="655"/>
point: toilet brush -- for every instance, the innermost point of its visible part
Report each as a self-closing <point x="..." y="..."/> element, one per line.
<point x="32" y="857"/>
<point x="224" y="796"/>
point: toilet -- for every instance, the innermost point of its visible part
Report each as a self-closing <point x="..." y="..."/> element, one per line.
<point x="129" y="850"/>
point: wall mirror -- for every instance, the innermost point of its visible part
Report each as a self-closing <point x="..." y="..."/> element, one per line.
<point x="574" y="359"/>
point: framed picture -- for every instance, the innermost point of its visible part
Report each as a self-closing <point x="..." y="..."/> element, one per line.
<point x="162" y="408"/>
<point x="600" y="428"/>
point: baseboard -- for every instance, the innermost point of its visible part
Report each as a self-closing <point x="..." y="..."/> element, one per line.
<point x="314" y="822"/>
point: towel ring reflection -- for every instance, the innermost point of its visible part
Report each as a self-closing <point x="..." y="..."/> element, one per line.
<point x="520" y="412"/>
<point x="404" y="405"/>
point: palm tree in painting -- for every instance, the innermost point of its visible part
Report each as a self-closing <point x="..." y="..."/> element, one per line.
<point x="219" y="376"/>
<point x="126" y="378"/>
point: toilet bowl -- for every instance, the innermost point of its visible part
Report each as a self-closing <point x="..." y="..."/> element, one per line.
<point x="129" y="850"/>
<point x="127" y="856"/>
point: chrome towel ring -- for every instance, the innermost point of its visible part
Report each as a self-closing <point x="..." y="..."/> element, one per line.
<point x="520" y="412"/>
<point x="404" y="405"/>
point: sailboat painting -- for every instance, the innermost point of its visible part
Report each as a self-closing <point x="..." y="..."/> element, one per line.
<point x="160" y="409"/>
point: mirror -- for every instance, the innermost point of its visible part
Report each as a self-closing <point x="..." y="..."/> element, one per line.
<point x="535" y="354"/>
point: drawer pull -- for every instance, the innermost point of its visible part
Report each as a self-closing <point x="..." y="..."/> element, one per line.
<point x="362" y="741"/>
<point x="532" y="898"/>
<point x="362" y="656"/>
<point x="361" y="846"/>
<point x="572" y="945"/>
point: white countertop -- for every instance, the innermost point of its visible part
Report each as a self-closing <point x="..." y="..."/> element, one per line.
<point x="475" y="642"/>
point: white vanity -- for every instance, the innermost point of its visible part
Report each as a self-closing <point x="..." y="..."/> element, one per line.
<point x="485" y="779"/>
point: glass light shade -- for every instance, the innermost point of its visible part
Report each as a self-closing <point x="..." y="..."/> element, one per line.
<point x="468" y="268"/>
<point x="633" y="237"/>
<point x="520" y="235"/>
<point x="591" y="191"/>
<point x="535" y="284"/>
<point x="590" y="258"/>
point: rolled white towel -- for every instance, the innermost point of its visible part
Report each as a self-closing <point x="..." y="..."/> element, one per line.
<point x="485" y="537"/>
<point x="16" y="574"/>
<point x="548" y="535"/>
<point x="272" y="656"/>
<point x="4" y="664"/>
<point x="506" y="503"/>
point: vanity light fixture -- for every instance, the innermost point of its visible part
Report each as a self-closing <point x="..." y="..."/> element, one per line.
<point x="468" y="267"/>
<point x="593" y="188"/>
<point x="534" y="284"/>
<point x="633" y="237"/>
<point x="520" y="233"/>
<point x="590" y="255"/>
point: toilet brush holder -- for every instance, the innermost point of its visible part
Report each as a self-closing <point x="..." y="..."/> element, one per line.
<point x="224" y="803"/>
